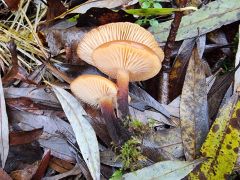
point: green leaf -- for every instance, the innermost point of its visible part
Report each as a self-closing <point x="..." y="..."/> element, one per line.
<point x="146" y="4"/>
<point x="208" y="18"/>
<point x="157" y="5"/>
<point x="222" y="143"/>
<point x="151" y="11"/>
<point x="117" y="175"/>
<point x="165" y="170"/>
<point x="85" y="135"/>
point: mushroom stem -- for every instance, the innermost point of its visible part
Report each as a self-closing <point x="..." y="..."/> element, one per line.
<point x="111" y="121"/>
<point x="122" y="96"/>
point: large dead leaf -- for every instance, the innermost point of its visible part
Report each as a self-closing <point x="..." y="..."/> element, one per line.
<point x="167" y="170"/>
<point x="85" y="135"/>
<point x="193" y="108"/>
<point x="208" y="18"/>
<point x="222" y="144"/>
<point x="4" y="135"/>
<point x="179" y="68"/>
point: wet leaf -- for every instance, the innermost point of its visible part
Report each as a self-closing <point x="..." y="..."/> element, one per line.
<point x="166" y="170"/>
<point x="206" y="19"/>
<point x="42" y="166"/>
<point x="84" y="132"/>
<point x="193" y="108"/>
<point x="4" y="135"/>
<point x="24" y="137"/>
<point x="222" y="144"/>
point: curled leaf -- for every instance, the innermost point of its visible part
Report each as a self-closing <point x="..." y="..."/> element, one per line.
<point x="85" y="135"/>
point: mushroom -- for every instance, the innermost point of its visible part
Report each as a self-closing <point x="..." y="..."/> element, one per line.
<point x="101" y="93"/>
<point x="124" y="51"/>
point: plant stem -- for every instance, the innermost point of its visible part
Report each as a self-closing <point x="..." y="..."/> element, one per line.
<point x="163" y="76"/>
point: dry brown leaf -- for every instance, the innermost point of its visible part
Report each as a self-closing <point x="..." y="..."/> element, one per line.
<point x="57" y="38"/>
<point x="42" y="166"/>
<point x="55" y="8"/>
<point x="26" y="173"/>
<point x="12" y="4"/>
<point x="193" y="108"/>
<point x="60" y="165"/>
<point x="16" y="72"/>
<point x="178" y="71"/>
<point x="24" y="137"/>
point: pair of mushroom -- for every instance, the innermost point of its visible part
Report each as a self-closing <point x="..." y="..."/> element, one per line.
<point x="123" y="51"/>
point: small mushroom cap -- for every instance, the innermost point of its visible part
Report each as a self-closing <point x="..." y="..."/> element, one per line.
<point x="138" y="60"/>
<point x="116" y="31"/>
<point x="91" y="89"/>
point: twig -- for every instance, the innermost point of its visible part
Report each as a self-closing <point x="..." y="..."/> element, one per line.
<point x="163" y="76"/>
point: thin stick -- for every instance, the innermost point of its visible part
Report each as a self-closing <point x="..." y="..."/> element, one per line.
<point x="163" y="76"/>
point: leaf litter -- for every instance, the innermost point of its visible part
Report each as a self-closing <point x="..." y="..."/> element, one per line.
<point x="195" y="135"/>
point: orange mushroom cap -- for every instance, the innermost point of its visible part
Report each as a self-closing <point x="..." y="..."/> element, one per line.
<point x="113" y="32"/>
<point x="91" y="89"/>
<point x="138" y="60"/>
